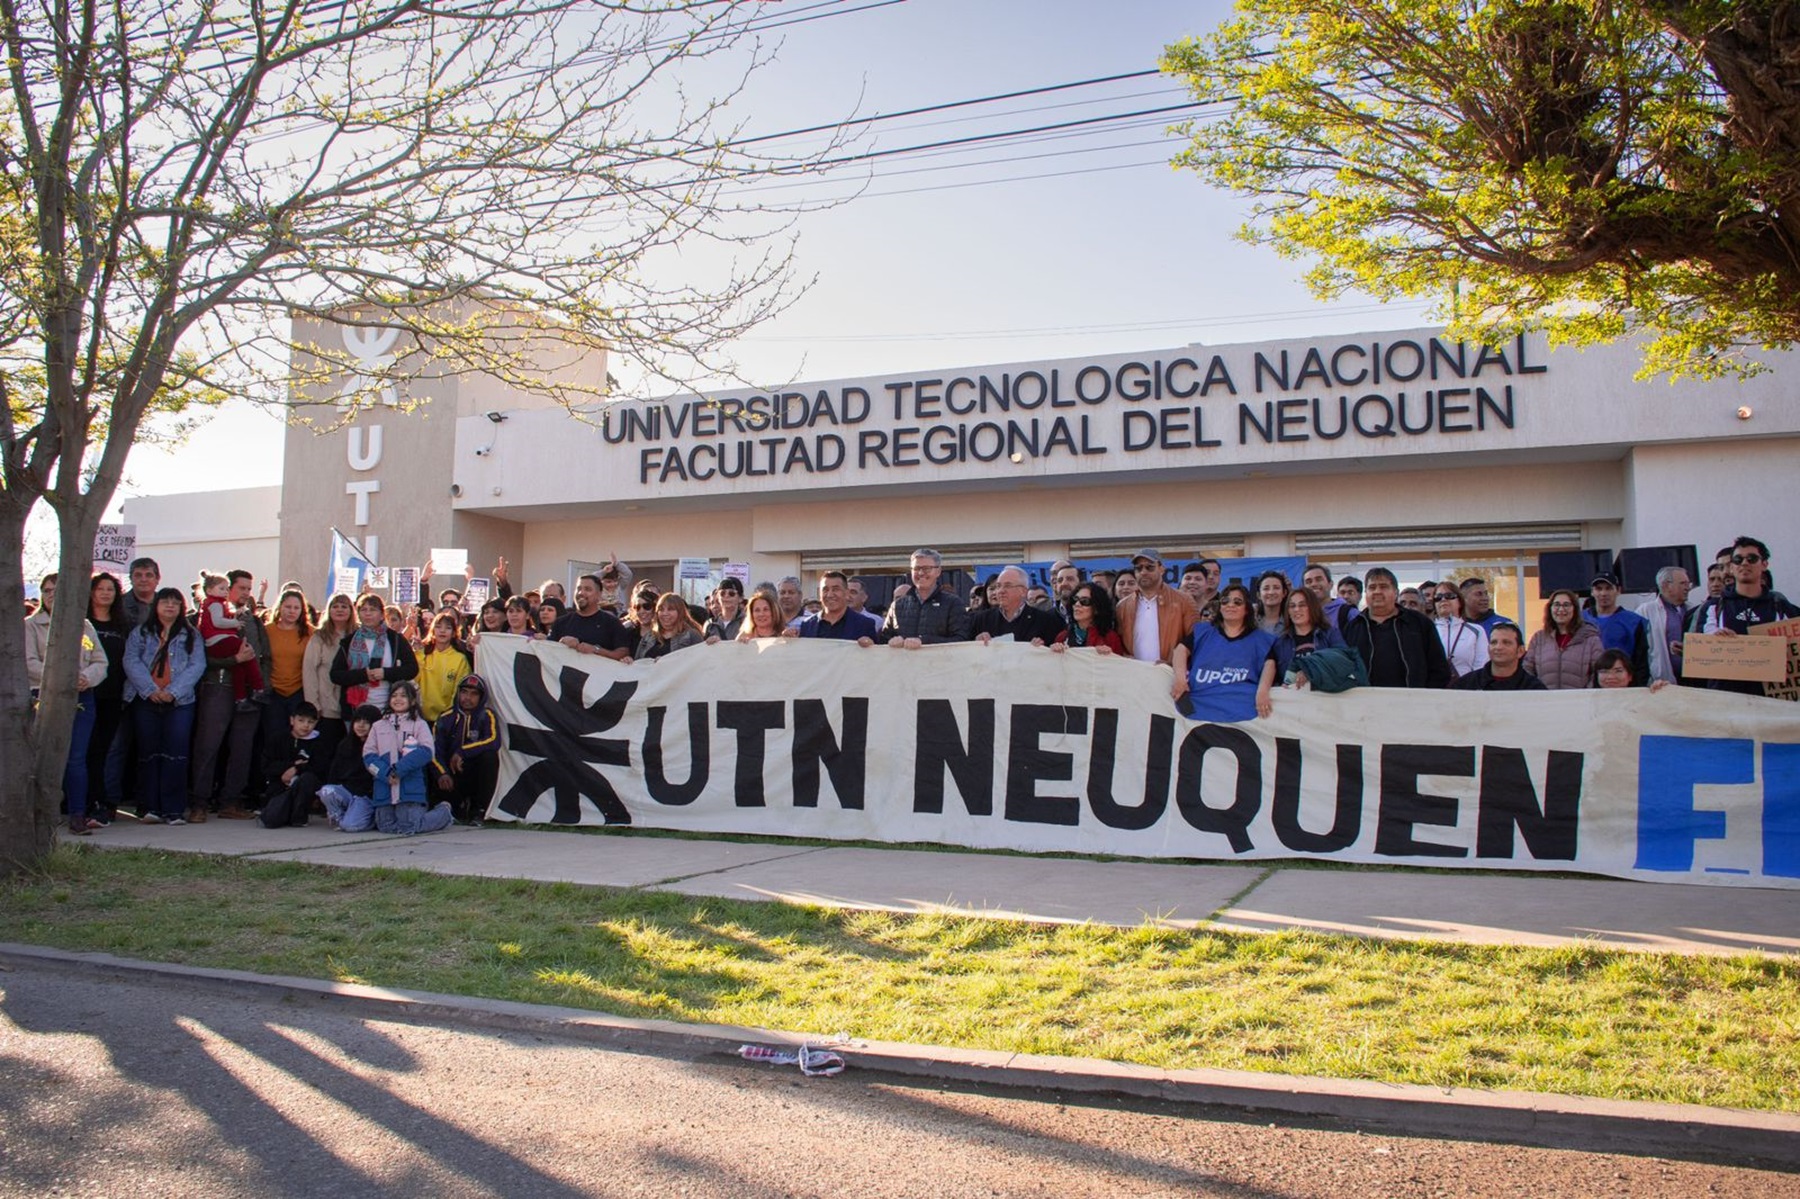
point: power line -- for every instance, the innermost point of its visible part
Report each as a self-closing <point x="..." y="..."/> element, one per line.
<point x="977" y="138"/>
<point x="945" y="107"/>
<point x="1096" y="330"/>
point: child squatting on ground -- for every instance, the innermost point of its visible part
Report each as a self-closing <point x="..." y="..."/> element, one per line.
<point x="396" y="755"/>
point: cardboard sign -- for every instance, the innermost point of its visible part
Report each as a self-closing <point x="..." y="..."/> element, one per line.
<point x="114" y="548"/>
<point x="1745" y="659"/>
<point x="1789" y="687"/>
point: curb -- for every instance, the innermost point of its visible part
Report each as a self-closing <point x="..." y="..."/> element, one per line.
<point x="1521" y="1117"/>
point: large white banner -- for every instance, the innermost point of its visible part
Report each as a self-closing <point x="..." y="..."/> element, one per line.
<point x="1014" y="747"/>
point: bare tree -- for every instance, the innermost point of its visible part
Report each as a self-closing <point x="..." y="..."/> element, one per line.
<point x="487" y="177"/>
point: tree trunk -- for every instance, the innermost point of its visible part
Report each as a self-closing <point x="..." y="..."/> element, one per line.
<point x="27" y="816"/>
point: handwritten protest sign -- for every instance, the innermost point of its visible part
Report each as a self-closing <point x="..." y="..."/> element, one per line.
<point x="1745" y="659"/>
<point x="114" y="548"/>
<point x="1787" y="688"/>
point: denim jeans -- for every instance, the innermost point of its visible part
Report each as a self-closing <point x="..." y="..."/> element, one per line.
<point x="351" y="812"/>
<point x="75" y="770"/>
<point x="407" y="819"/>
<point x="163" y="733"/>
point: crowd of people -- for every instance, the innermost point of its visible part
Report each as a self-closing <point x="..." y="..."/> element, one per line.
<point x="372" y="715"/>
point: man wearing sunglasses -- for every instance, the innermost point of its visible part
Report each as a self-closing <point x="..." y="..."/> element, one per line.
<point x="1748" y="601"/>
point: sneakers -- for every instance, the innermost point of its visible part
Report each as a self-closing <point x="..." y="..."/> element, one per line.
<point x="78" y="827"/>
<point x="152" y="818"/>
<point x="175" y="821"/>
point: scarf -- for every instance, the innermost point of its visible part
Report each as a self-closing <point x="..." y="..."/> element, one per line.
<point x="367" y="648"/>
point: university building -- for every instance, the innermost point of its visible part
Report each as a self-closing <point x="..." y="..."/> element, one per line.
<point x="1406" y="449"/>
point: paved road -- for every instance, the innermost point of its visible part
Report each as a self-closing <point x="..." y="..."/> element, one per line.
<point x="134" y="1089"/>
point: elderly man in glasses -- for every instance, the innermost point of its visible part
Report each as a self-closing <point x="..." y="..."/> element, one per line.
<point x="1748" y="601"/>
<point x="1667" y="613"/>
<point x="1011" y="616"/>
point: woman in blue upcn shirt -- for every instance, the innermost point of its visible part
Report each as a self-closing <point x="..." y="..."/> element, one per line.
<point x="1226" y="663"/>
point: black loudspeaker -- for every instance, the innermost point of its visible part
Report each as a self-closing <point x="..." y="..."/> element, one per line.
<point x="1571" y="570"/>
<point x="1637" y="567"/>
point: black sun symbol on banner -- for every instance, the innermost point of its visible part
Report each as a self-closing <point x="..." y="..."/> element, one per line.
<point x="568" y="746"/>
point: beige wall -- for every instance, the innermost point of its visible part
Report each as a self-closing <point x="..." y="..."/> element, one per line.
<point x="416" y="468"/>
<point x="211" y="530"/>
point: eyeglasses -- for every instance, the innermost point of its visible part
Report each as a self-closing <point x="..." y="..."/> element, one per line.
<point x="1746" y="559"/>
<point x="1441" y="596"/>
<point x="643" y="607"/>
<point x="1086" y="601"/>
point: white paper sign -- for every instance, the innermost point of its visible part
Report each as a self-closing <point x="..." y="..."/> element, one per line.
<point x="739" y="571"/>
<point x="476" y="594"/>
<point x="694" y="568"/>
<point x="114" y="548"/>
<point x="406" y="584"/>
<point x="376" y="578"/>
<point x="346" y="581"/>
<point x="449" y="561"/>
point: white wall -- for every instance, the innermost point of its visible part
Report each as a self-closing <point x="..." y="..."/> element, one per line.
<point x="1708" y="494"/>
<point x="210" y="530"/>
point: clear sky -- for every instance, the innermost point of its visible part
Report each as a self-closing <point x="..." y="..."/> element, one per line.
<point x="1106" y="249"/>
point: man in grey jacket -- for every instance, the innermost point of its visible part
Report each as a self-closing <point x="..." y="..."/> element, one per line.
<point x="928" y="614"/>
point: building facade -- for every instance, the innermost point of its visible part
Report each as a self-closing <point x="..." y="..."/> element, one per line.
<point x="1405" y="449"/>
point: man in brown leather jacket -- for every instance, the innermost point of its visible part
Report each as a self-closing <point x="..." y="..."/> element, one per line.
<point x="1156" y="623"/>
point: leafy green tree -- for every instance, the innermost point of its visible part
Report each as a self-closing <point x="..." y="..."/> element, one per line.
<point x="1589" y="167"/>
<point x="502" y="182"/>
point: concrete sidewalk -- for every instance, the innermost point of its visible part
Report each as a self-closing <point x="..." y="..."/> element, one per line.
<point x="1482" y="909"/>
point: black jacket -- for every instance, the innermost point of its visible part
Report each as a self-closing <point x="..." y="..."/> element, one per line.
<point x="938" y="618"/>
<point x="1484" y="680"/>
<point x="405" y="666"/>
<point x="1028" y="624"/>
<point x="1421" y="651"/>
<point x="347" y="768"/>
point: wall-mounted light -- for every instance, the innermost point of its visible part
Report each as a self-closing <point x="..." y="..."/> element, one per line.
<point x="1745" y="412"/>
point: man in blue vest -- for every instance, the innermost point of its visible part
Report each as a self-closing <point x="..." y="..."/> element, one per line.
<point x="1620" y="628"/>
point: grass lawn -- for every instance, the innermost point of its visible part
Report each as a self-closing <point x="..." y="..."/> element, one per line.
<point x="1576" y="1021"/>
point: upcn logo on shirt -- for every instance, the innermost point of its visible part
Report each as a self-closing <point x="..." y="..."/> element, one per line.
<point x="1218" y="676"/>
